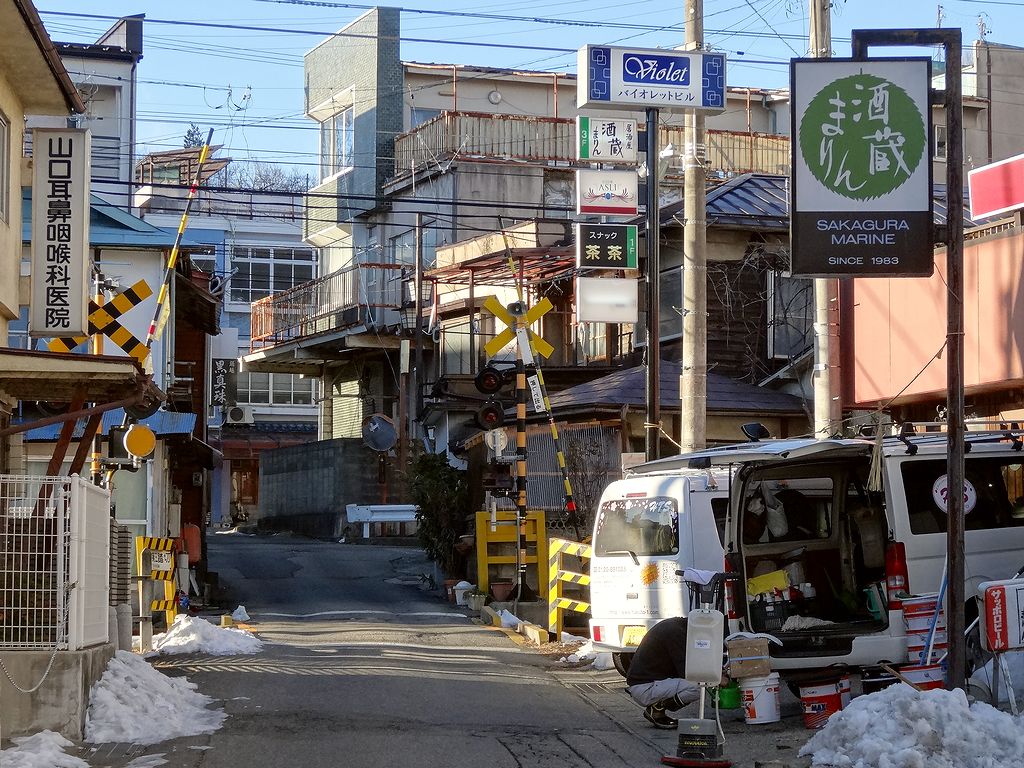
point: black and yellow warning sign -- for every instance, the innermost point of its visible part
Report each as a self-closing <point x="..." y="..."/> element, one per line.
<point x="105" y="320"/>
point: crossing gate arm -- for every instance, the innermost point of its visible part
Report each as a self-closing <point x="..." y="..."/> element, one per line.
<point x="558" y="576"/>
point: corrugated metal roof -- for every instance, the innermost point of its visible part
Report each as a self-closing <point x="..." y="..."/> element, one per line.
<point x="626" y="387"/>
<point x="163" y="424"/>
<point x="761" y="201"/>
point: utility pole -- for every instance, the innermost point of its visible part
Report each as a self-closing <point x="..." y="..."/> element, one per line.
<point x="825" y="378"/>
<point x="693" y="381"/>
<point x="652" y="394"/>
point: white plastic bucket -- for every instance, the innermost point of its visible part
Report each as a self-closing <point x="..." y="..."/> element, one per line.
<point x="923" y="622"/>
<point x="919" y="606"/>
<point x="460" y="594"/>
<point x="760" y="697"/>
<point x="926" y="677"/>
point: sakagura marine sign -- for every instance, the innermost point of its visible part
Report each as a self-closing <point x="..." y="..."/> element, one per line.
<point x="862" y="179"/>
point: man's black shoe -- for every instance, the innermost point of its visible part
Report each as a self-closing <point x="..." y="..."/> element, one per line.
<point x="655" y="715"/>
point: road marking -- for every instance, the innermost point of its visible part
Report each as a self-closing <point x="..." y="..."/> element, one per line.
<point x="361" y="613"/>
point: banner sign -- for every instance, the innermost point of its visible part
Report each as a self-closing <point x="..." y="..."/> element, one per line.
<point x="637" y="78"/>
<point x="996" y="187"/>
<point x="606" y="246"/>
<point x="60" y="232"/>
<point x="223" y="381"/>
<point x="862" y="172"/>
<point x="1003" y="619"/>
<point x="610" y="193"/>
<point x="606" y="141"/>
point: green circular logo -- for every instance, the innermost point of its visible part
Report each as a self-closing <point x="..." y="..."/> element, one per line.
<point x="862" y="136"/>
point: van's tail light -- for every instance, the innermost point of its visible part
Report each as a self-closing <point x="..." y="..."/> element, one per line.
<point x="897" y="581"/>
<point x="596" y="632"/>
<point x="730" y="600"/>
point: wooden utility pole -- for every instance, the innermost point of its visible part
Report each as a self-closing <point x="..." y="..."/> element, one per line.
<point x="693" y="381"/>
<point x="828" y="408"/>
<point x="652" y="394"/>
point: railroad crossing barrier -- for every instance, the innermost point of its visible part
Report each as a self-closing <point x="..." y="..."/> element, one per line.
<point x="158" y="587"/>
<point x="558" y="576"/>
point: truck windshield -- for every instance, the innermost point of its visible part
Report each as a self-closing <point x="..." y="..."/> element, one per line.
<point x="641" y="526"/>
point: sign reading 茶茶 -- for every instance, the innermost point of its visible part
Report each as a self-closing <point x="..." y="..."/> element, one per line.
<point x="862" y="178"/>
<point x="60" y="232"/>
<point x="606" y="246"/>
<point x="636" y="78"/>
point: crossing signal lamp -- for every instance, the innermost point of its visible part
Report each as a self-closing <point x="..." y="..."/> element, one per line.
<point x="490" y="380"/>
<point x="490" y="415"/>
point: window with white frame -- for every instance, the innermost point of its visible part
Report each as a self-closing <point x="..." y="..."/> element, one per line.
<point x="5" y="166"/>
<point x="261" y="270"/>
<point x="275" y="389"/>
<point x="336" y="143"/>
<point x="790" y="332"/>
<point x="593" y="340"/>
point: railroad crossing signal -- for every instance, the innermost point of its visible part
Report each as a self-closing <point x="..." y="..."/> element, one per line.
<point x="104" y="320"/>
<point x="515" y="319"/>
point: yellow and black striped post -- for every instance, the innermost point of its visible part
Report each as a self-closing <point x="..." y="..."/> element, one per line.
<point x="557" y="576"/>
<point x="523" y="591"/>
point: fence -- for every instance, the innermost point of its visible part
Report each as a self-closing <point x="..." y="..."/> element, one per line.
<point x="54" y="562"/>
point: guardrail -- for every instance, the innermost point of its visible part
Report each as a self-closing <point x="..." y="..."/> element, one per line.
<point x="558" y="603"/>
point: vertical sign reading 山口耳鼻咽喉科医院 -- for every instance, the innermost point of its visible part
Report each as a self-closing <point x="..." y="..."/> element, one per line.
<point x="862" y="180"/>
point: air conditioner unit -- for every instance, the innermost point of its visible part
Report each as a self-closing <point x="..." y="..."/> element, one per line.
<point x="238" y="414"/>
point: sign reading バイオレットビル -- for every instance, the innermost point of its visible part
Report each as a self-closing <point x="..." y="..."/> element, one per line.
<point x="862" y="182"/>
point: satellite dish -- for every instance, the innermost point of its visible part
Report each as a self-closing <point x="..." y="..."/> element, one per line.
<point x="379" y="432"/>
<point x="496" y="439"/>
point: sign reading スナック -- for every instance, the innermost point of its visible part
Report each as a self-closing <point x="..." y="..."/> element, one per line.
<point x="862" y="175"/>
<point x="223" y="381"/>
<point x="60" y="232"/>
<point x="606" y="141"/>
<point x="606" y="246"/>
<point x="623" y="78"/>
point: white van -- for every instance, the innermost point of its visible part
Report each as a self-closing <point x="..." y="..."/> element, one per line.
<point x="647" y="527"/>
<point x="806" y="508"/>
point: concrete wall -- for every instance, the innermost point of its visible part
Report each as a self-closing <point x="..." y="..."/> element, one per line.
<point x="305" y="488"/>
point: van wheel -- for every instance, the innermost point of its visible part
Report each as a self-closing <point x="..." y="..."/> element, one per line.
<point x="622" y="662"/>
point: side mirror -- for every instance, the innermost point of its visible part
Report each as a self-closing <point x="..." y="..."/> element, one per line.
<point x="755" y="431"/>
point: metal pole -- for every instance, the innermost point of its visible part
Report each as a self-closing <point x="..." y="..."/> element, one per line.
<point x="693" y="379"/>
<point x="652" y="393"/>
<point x="417" y="375"/>
<point x="955" y="359"/>
<point x="827" y="406"/>
<point x="522" y="589"/>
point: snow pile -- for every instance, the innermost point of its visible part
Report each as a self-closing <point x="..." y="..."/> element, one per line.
<point x="899" y="727"/>
<point x="189" y="634"/>
<point x="240" y="614"/>
<point x="509" y="620"/>
<point x="40" y="750"/>
<point x="135" y="703"/>
<point x="572" y="639"/>
<point x="586" y="652"/>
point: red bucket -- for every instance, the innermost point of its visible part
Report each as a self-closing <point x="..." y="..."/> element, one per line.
<point x="820" y="701"/>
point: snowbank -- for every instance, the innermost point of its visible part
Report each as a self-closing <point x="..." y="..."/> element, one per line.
<point x="190" y="634"/>
<point x="586" y="652"/>
<point x="40" y="750"/>
<point x="899" y="727"/>
<point x="135" y="703"/>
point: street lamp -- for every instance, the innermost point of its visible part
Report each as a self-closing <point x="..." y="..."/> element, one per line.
<point x="408" y="312"/>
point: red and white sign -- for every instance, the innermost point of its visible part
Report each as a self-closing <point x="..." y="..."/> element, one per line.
<point x="608" y="193"/>
<point x="997" y="187"/>
<point x="1003" y="614"/>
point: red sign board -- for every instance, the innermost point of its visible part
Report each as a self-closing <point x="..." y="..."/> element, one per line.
<point x="997" y="187"/>
<point x="1003" y="614"/>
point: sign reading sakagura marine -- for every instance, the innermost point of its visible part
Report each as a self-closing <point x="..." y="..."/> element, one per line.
<point x="60" y="232"/>
<point x="862" y="176"/>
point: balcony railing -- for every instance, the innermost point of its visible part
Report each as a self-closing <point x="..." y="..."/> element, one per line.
<point x="352" y="295"/>
<point x="549" y="139"/>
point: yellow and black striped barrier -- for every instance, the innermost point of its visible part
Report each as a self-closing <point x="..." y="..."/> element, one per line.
<point x="162" y="572"/>
<point x="104" y="319"/>
<point x="558" y="576"/>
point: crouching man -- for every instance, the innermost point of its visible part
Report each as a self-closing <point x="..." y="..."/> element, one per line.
<point x="656" y="678"/>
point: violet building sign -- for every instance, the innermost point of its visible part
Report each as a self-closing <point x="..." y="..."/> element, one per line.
<point x="637" y="78"/>
<point x="60" y="232"/>
<point x="862" y="179"/>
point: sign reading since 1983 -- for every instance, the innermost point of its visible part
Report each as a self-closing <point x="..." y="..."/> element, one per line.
<point x="862" y="181"/>
<point x="624" y="78"/>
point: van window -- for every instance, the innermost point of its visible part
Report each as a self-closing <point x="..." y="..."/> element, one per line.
<point x="720" y="509"/>
<point x="643" y="526"/>
<point x="995" y="495"/>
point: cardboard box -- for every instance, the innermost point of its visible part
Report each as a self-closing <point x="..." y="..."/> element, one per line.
<point x="748" y="658"/>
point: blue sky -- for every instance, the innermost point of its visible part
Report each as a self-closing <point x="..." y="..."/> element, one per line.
<point x="247" y="85"/>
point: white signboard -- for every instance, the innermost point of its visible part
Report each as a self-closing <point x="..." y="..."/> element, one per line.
<point x="60" y="232"/>
<point x="862" y="171"/>
<point x="609" y="193"/>
<point x="607" y="300"/>
<point x="637" y="78"/>
<point x="606" y="141"/>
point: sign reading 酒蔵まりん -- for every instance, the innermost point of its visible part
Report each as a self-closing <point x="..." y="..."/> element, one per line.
<point x="606" y="141"/>
<point x="223" y="381"/>
<point x="862" y="174"/>
<point x="60" y="232"/>
<point x="606" y="246"/>
<point x="611" y="193"/>
<point x="637" y="78"/>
